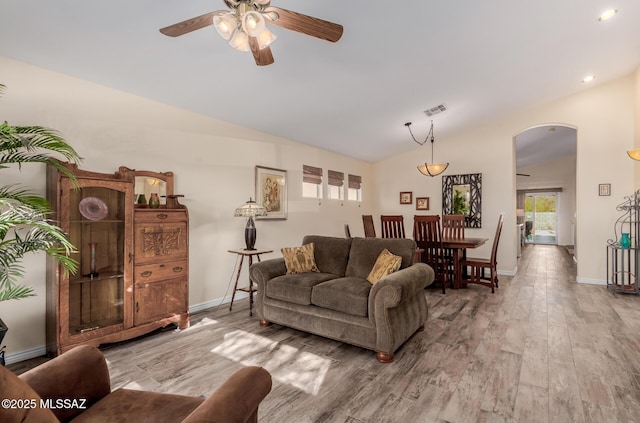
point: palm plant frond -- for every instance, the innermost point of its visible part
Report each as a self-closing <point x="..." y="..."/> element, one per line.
<point x="24" y="224"/>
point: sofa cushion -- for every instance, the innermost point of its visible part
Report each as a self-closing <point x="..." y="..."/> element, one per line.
<point x="365" y="251"/>
<point x="385" y="264"/>
<point x="299" y="259"/>
<point x="295" y="288"/>
<point x="348" y="295"/>
<point x="332" y="254"/>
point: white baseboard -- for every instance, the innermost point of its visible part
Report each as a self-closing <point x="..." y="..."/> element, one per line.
<point x="194" y="308"/>
<point x="34" y="352"/>
<point x="41" y="350"/>
<point x="508" y="272"/>
<point x="591" y="281"/>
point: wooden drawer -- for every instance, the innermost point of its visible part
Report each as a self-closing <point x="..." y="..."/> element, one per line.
<point x="160" y="215"/>
<point x="160" y="271"/>
<point x="156" y="242"/>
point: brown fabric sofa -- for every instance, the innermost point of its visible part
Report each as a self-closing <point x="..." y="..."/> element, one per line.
<point x="75" y="386"/>
<point x="338" y="302"/>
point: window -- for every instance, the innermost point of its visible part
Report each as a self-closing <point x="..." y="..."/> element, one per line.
<point x="355" y="188"/>
<point x="311" y="181"/>
<point x="335" y="186"/>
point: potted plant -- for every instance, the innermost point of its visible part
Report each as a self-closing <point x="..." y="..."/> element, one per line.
<point x="25" y="226"/>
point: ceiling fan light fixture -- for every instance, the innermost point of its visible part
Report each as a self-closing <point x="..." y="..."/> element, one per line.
<point x="240" y="41"/>
<point x="634" y="154"/>
<point x="225" y="24"/>
<point x="265" y="39"/>
<point x="253" y="24"/>
<point x="262" y="2"/>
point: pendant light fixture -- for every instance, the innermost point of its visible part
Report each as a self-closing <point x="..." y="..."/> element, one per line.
<point x="433" y="169"/>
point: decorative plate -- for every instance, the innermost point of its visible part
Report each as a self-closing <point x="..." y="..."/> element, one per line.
<point x="93" y="208"/>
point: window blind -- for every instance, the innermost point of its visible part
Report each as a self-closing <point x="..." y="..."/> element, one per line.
<point x="336" y="179"/>
<point x="311" y="174"/>
<point x="355" y="182"/>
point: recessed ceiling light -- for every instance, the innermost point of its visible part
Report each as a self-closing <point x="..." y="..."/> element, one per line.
<point x="607" y="15"/>
<point x="588" y="79"/>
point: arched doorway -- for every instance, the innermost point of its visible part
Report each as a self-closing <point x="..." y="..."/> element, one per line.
<point x="546" y="184"/>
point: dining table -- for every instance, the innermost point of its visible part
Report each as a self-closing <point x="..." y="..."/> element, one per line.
<point x="459" y="247"/>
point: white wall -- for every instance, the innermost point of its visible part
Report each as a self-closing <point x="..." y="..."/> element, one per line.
<point x="560" y="173"/>
<point x="604" y="119"/>
<point x="213" y="162"/>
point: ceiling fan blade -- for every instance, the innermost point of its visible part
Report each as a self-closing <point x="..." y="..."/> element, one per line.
<point x="190" y="25"/>
<point x="262" y="57"/>
<point x="523" y="174"/>
<point x="306" y="24"/>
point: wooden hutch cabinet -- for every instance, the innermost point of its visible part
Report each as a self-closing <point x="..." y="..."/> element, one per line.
<point x="133" y="269"/>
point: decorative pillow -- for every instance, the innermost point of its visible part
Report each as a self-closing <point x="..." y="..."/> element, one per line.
<point x="300" y="259"/>
<point x="386" y="264"/>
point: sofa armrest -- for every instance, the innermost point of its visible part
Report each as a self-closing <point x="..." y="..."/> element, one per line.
<point x="80" y="373"/>
<point x="237" y="400"/>
<point x="268" y="269"/>
<point x="401" y="285"/>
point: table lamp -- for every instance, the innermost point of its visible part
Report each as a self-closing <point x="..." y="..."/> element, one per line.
<point x="250" y="209"/>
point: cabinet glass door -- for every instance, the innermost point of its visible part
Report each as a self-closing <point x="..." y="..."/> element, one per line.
<point x="97" y="229"/>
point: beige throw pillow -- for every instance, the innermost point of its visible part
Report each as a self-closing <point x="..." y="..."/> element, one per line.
<point x="386" y="264"/>
<point x="299" y="259"/>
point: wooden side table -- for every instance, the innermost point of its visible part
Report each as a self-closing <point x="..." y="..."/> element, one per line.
<point x="246" y="253"/>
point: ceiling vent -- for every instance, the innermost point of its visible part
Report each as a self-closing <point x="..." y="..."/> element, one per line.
<point x="435" y="110"/>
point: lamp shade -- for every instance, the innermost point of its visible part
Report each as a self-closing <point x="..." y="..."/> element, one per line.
<point x="634" y="154"/>
<point x="265" y="39"/>
<point x="253" y="23"/>
<point x="433" y="169"/>
<point x="250" y="209"/>
<point x="225" y="24"/>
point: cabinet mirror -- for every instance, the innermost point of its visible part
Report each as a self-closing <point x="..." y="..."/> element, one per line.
<point x="147" y="183"/>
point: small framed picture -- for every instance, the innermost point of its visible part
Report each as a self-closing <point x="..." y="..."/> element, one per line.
<point x="406" y="197"/>
<point x="422" y="203"/>
<point x="604" y="189"/>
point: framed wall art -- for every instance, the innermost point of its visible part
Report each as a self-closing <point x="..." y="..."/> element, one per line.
<point x="271" y="192"/>
<point x="462" y="194"/>
<point x="406" y="197"/>
<point x="422" y="203"/>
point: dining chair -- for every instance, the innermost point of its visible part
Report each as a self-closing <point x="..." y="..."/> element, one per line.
<point x="427" y="235"/>
<point x="478" y="266"/>
<point x="369" y="228"/>
<point x="392" y="226"/>
<point x="453" y="228"/>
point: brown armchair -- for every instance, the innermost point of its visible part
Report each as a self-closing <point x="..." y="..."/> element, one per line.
<point x="81" y="377"/>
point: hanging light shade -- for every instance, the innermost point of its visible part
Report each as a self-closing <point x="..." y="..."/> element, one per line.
<point x="265" y="39"/>
<point x="429" y="169"/>
<point x="253" y="24"/>
<point x="225" y="24"/>
<point x="240" y="41"/>
<point x="634" y="154"/>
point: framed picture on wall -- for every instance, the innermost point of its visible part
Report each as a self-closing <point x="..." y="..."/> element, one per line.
<point x="604" y="190"/>
<point x="422" y="203"/>
<point x="406" y="197"/>
<point x="271" y="192"/>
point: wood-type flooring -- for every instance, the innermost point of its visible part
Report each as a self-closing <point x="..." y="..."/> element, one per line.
<point x="541" y="349"/>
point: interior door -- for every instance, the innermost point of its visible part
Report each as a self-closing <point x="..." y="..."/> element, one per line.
<point x="541" y="218"/>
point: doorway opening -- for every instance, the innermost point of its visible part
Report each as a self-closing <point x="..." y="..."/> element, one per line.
<point x="541" y="218"/>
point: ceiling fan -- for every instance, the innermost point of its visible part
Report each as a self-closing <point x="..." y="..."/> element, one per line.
<point x="243" y="25"/>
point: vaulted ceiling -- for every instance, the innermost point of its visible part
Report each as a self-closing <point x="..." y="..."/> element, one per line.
<point x="481" y="59"/>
